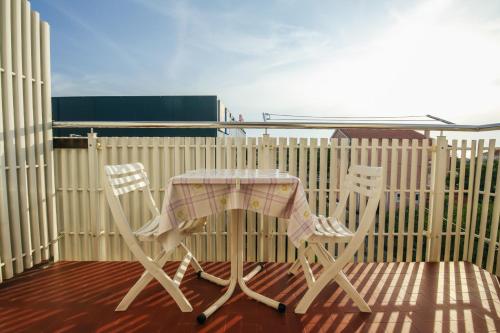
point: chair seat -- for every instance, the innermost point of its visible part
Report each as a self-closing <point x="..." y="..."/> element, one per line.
<point x="330" y="227"/>
<point x="147" y="232"/>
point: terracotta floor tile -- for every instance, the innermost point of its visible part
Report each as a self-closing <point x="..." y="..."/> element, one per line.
<point x="404" y="297"/>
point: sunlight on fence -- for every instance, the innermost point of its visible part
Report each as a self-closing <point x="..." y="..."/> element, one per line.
<point x="465" y="229"/>
<point x="28" y="226"/>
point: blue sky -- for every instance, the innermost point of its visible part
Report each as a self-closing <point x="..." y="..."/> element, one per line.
<point x="332" y="58"/>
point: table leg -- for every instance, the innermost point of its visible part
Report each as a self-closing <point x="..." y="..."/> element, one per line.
<point x="232" y="228"/>
<point x="236" y="256"/>
<point x="221" y="282"/>
<point x="241" y="280"/>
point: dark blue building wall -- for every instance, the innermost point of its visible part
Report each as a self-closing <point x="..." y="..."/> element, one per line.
<point x="136" y="108"/>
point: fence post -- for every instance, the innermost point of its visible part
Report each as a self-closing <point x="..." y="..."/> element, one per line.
<point x="264" y="238"/>
<point x="96" y="251"/>
<point x="495" y="219"/>
<point x="438" y="183"/>
<point x="48" y="140"/>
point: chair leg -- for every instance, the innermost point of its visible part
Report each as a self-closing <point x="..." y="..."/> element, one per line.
<point x="181" y="270"/>
<point x="294" y="269"/>
<point x="171" y="287"/>
<point x="143" y="281"/>
<point x="201" y="273"/>
<point x="154" y="269"/>
<point x="327" y="259"/>
<point x="194" y="263"/>
<point x="344" y="283"/>
<point x="306" y="268"/>
<point x="314" y="290"/>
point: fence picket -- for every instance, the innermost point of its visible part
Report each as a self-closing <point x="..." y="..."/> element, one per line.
<point x="125" y="158"/>
<point x="402" y="200"/>
<point x="45" y="206"/>
<point x="29" y="124"/>
<point x="460" y="200"/>
<point x="344" y="165"/>
<point x="5" y="191"/>
<point x="411" y="205"/>
<point x="63" y="180"/>
<point x="311" y="185"/>
<point x="333" y="185"/>
<point x="303" y="174"/>
<point x="115" y="238"/>
<point x="422" y="198"/>
<point x="282" y="163"/>
<point x="251" y="216"/>
<point x="475" y="203"/>
<point x="201" y="237"/>
<point x="74" y="202"/>
<point x="292" y="169"/>
<point x="470" y="195"/>
<point x="374" y="161"/>
<point x="451" y="200"/>
<point x="9" y="136"/>
<point x="363" y="160"/>
<point x="485" y="202"/>
<point x="241" y="164"/>
<point x="211" y="228"/>
<point x="219" y="218"/>
<point x="495" y="217"/>
<point x="20" y="133"/>
<point x="352" y="198"/>
<point x="392" y="198"/>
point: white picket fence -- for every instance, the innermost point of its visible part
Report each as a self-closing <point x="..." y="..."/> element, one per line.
<point x="28" y="226"/>
<point x="444" y="204"/>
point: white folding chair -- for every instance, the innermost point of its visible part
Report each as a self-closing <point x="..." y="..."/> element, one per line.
<point x="125" y="178"/>
<point x="363" y="181"/>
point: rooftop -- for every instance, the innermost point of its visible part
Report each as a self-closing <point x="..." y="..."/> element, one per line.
<point x="376" y="133"/>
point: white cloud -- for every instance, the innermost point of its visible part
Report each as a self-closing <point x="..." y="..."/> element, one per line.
<point x="437" y="57"/>
<point x="427" y="61"/>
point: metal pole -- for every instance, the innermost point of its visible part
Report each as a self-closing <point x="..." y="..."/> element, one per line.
<point x="273" y="125"/>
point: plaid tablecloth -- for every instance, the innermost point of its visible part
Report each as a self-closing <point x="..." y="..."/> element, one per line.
<point x="201" y="193"/>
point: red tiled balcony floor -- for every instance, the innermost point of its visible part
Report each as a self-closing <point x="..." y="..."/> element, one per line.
<point x="420" y="297"/>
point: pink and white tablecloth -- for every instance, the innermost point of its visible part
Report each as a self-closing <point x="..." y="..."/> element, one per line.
<point x="201" y="193"/>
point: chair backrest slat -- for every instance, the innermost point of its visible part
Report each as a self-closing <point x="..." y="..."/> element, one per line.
<point x="366" y="170"/>
<point x="125" y="178"/>
<point x="122" y="179"/>
<point x="360" y="189"/>
<point x="363" y="180"/>
<point x="129" y="188"/>
<point x="123" y="169"/>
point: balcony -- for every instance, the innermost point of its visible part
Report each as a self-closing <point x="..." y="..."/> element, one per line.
<point x="415" y="275"/>
<point x="430" y="262"/>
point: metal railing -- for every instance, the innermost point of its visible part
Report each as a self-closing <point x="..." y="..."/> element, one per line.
<point x="274" y="125"/>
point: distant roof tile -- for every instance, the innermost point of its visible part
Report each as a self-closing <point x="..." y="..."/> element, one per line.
<point x="375" y="133"/>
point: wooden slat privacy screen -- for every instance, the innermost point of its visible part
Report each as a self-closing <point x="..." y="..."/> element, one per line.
<point x="403" y="230"/>
<point x="28" y="226"/>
